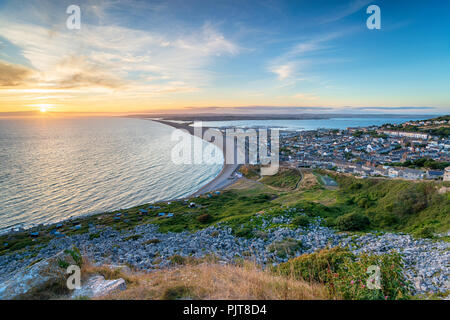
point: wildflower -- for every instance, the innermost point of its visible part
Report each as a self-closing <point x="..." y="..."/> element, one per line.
<point x="352" y="282"/>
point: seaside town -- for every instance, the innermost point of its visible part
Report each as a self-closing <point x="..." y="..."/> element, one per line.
<point x="386" y="151"/>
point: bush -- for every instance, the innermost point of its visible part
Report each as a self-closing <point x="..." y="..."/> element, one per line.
<point x="177" y="292"/>
<point x="354" y="278"/>
<point x="286" y="247"/>
<point x="425" y="232"/>
<point x="177" y="259"/>
<point x="245" y="232"/>
<point x="151" y="241"/>
<point x="76" y="255"/>
<point x="350" y="277"/>
<point x="330" y="222"/>
<point x="352" y="222"/>
<point x="413" y="199"/>
<point x="204" y="218"/>
<point x="300" y="221"/>
<point x="315" y="266"/>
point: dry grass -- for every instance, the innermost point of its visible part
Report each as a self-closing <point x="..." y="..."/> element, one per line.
<point x="209" y="280"/>
<point x="308" y="181"/>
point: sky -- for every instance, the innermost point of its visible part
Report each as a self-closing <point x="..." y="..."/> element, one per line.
<point x="141" y="56"/>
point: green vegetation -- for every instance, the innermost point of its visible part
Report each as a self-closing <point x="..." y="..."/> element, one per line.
<point x="250" y="172"/>
<point x="392" y="204"/>
<point x="355" y="205"/>
<point x="285" y="248"/>
<point x="204" y="218"/>
<point x="133" y="237"/>
<point x="177" y="292"/>
<point x="348" y="276"/>
<point x="440" y="131"/>
<point x="286" y="178"/>
<point x="301" y="221"/>
<point x="151" y="241"/>
<point x="353" y="222"/>
<point x="177" y="259"/>
<point x="76" y="255"/>
<point x="421" y="163"/>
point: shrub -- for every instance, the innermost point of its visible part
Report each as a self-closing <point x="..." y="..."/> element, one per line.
<point x="315" y="266"/>
<point x="177" y="292"/>
<point x="93" y="236"/>
<point x="300" y="221"/>
<point x="215" y="234"/>
<point x="352" y="222"/>
<point x="177" y="259"/>
<point x="285" y="248"/>
<point x="260" y="234"/>
<point x="133" y="237"/>
<point x="354" y="278"/>
<point x="151" y="241"/>
<point x="204" y="218"/>
<point x="348" y="276"/>
<point x="246" y="232"/>
<point x="330" y="222"/>
<point x="413" y="199"/>
<point x="387" y="219"/>
<point x="425" y="232"/>
<point x="76" y="255"/>
<point x="63" y="264"/>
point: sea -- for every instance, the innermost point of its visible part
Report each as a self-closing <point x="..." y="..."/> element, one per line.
<point x="52" y="169"/>
<point x="313" y="124"/>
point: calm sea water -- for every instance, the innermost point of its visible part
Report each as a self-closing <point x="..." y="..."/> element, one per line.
<point x="51" y="169"/>
<point x="299" y="125"/>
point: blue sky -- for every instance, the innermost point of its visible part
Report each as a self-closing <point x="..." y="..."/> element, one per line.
<point x="160" y="55"/>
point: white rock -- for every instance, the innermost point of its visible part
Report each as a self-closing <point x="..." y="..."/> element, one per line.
<point x="97" y="286"/>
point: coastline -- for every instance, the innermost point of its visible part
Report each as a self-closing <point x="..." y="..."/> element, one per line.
<point x="221" y="181"/>
<point x="224" y="178"/>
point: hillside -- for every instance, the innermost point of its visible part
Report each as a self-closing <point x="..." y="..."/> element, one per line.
<point x="253" y="221"/>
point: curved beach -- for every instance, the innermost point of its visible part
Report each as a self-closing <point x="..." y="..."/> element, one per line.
<point x="225" y="177"/>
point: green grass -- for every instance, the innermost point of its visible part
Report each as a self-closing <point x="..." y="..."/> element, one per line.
<point x="285" y="178"/>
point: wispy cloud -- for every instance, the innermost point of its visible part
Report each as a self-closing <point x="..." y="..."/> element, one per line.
<point x="395" y="108"/>
<point x="292" y="65"/>
<point x="13" y="75"/>
<point x="343" y="10"/>
<point x="114" y="56"/>
<point x="283" y="71"/>
<point x="305" y="96"/>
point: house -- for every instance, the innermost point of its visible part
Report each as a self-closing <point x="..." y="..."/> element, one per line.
<point x="411" y="174"/>
<point x="393" y="173"/>
<point x="432" y="174"/>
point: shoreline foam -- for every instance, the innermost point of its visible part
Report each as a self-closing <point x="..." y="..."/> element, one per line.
<point x="225" y="176"/>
